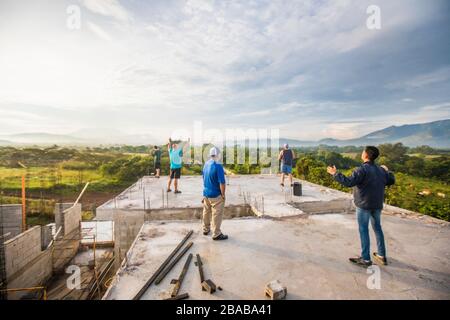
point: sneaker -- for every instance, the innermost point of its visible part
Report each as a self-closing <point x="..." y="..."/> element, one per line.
<point x="177" y="191"/>
<point x="169" y="190"/>
<point x="221" y="237"/>
<point x="361" y="262"/>
<point x="380" y="259"/>
<point x="205" y="233"/>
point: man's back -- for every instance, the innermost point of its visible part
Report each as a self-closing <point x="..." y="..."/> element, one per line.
<point x="287" y="157"/>
<point x="369" y="181"/>
<point x="157" y="155"/>
<point x="213" y="176"/>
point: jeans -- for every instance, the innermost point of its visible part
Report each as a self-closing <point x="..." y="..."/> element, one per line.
<point x="374" y="216"/>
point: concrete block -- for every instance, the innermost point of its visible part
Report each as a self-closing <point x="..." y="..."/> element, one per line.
<point x="275" y="290"/>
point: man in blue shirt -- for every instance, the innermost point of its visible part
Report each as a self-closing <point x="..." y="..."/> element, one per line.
<point x="176" y="163"/>
<point x="213" y="195"/>
<point x="369" y="181"/>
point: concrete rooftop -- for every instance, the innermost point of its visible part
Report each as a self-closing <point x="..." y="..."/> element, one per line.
<point x="309" y="256"/>
<point x="261" y="191"/>
<point x="308" y="252"/>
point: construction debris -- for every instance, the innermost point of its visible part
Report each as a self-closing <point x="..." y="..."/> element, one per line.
<point x="275" y="290"/>
<point x="162" y="266"/>
<point x="162" y="275"/>
<point x="207" y="285"/>
<point x="177" y="282"/>
<point x="180" y="297"/>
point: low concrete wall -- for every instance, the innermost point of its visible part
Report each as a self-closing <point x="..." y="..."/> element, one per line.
<point x="59" y="216"/>
<point x="27" y="265"/>
<point x="126" y="227"/>
<point x="46" y="236"/>
<point x="22" y="249"/>
<point x="72" y="218"/>
<point x="12" y="219"/>
<point x="321" y="207"/>
<point x="68" y="240"/>
<point x="36" y="273"/>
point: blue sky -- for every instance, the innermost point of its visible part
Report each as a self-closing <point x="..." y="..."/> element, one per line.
<point x="309" y="68"/>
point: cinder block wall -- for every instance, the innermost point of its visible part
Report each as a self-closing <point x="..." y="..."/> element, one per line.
<point x="22" y="249"/>
<point x="12" y="219"/>
<point x="126" y="227"/>
<point x="36" y="273"/>
<point x="58" y="211"/>
<point x="68" y="241"/>
<point x="72" y="218"/>
<point x="27" y="265"/>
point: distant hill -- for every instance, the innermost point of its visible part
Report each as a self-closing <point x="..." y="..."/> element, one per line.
<point x="434" y="134"/>
<point x="42" y="138"/>
<point x="89" y="136"/>
<point x="5" y="142"/>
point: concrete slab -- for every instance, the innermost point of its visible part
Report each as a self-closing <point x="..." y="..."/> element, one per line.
<point x="309" y="254"/>
<point x="263" y="192"/>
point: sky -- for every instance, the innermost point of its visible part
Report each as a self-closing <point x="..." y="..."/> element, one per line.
<point x="312" y="68"/>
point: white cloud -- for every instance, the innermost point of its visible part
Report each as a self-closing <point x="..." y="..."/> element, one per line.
<point x="99" y="31"/>
<point x="109" y="8"/>
<point x="182" y="61"/>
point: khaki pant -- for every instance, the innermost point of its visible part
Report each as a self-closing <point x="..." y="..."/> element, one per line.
<point x="213" y="208"/>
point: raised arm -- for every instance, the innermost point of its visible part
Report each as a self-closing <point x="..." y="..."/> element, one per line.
<point x="356" y="178"/>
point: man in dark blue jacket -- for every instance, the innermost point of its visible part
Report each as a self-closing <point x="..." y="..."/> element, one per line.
<point x="368" y="182"/>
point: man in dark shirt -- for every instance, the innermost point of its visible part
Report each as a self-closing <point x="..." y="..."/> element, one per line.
<point x="368" y="182"/>
<point x="156" y="160"/>
<point x="286" y="157"/>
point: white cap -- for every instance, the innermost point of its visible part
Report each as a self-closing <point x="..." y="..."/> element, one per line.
<point x="286" y="146"/>
<point x="214" y="152"/>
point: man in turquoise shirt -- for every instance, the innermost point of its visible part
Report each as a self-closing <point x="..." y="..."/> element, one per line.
<point x="176" y="163"/>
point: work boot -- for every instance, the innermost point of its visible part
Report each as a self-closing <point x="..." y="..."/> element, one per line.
<point x="221" y="237"/>
<point x="361" y="262"/>
<point x="380" y="259"/>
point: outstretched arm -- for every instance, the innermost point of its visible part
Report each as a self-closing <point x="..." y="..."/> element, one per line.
<point x="355" y="179"/>
<point x="390" y="178"/>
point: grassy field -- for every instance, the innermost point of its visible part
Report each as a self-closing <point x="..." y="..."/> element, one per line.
<point x="46" y="186"/>
<point x="59" y="174"/>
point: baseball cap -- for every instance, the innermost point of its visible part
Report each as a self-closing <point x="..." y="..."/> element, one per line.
<point x="214" y="152"/>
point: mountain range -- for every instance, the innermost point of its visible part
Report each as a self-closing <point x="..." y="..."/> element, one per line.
<point x="434" y="134"/>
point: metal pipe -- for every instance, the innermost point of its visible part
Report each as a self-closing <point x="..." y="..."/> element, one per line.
<point x="200" y="268"/>
<point x="173" y="263"/>
<point x="162" y="266"/>
<point x="180" y="279"/>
